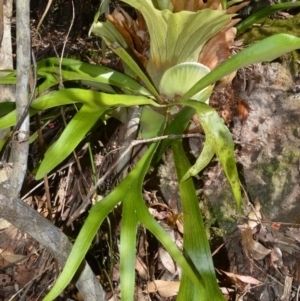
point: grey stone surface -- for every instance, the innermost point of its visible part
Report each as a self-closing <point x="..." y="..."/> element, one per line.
<point x="269" y="153"/>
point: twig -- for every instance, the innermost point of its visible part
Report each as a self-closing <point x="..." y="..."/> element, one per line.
<point x="44" y="14"/>
<point x="12" y="138"/>
<point x="22" y="216"/>
<point x="267" y="222"/>
<point x="1" y="21"/>
<point x="130" y="133"/>
<point x="26" y="286"/>
<point x="86" y="202"/>
<point x="42" y="154"/>
<point x="64" y="45"/>
<point x="19" y="153"/>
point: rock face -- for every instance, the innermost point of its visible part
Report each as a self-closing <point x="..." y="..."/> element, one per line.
<point x="268" y="146"/>
<point x="271" y="159"/>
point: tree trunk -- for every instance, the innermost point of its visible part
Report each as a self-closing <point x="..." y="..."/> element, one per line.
<point x="12" y="208"/>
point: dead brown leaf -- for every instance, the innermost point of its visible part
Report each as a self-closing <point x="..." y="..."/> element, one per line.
<point x="141" y="268"/>
<point x="11" y="257"/>
<point x="167" y="260"/>
<point x="243" y="110"/>
<point x="215" y="51"/>
<point x="23" y="275"/>
<point x="233" y="9"/>
<point x="295" y="233"/>
<point x="243" y="278"/>
<point x="134" y="33"/>
<point x="253" y="249"/>
<point x="166" y="289"/>
<point x="190" y="5"/>
<point x="276" y="257"/>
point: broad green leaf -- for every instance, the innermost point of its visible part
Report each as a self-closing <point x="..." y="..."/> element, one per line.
<point x="195" y="241"/>
<point x="177" y="37"/>
<point x="203" y="160"/>
<point x="6" y="107"/>
<point x="265" y="50"/>
<point x="151" y="123"/>
<point x="108" y="32"/>
<point x="163" y="4"/>
<point x="110" y="35"/>
<point x="224" y="4"/>
<point x="72" y="135"/>
<point x="95" y="104"/>
<point x="9" y="79"/>
<point x="101" y="87"/>
<point x="90" y="98"/>
<point x="176" y="127"/>
<point x="219" y="140"/>
<point x="74" y="70"/>
<point x="103" y="9"/>
<point x="265" y="12"/>
<point x="32" y="137"/>
<point x="10" y="119"/>
<point x="178" y="79"/>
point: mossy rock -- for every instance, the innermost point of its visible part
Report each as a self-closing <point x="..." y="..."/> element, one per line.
<point x="269" y="27"/>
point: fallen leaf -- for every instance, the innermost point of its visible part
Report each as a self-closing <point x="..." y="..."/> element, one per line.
<point x="167" y="260"/>
<point x="287" y="288"/>
<point x="295" y="233"/>
<point x="252" y="248"/>
<point x="243" y="278"/>
<point x="276" y="257"/>
<point x="23" y="276"/>
<point x="243" y="110"/>
<point x="255" y="215"/>
<point x="11" y="258"/>
<point x="141" y="268"/>
<point x="165" y="289"/>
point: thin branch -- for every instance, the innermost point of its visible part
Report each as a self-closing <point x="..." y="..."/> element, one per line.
<point x="19" y="153"/>
<point x="64" y="46"/>
<point x="86" y="202"/>
<point x="53" y="239"/>
<point x="44" y="14"/>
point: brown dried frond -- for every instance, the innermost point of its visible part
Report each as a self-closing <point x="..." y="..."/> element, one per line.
<point x="134" y="33"/>
<point x="190" y="5"/>
<point x="217" y="49"/>
<point x="235" y="8"/>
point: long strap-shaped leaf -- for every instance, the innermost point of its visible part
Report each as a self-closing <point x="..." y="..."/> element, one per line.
<point x="195" y="242"/>
<point x="95" y="104"/>
<point x="265" y="12"/>
<point x="128" y="244"/>
<point x="95" y="218"/>
<point x="265" y="50"/>
<point x="78" y="71"/>
<point x="129" y="192"/>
